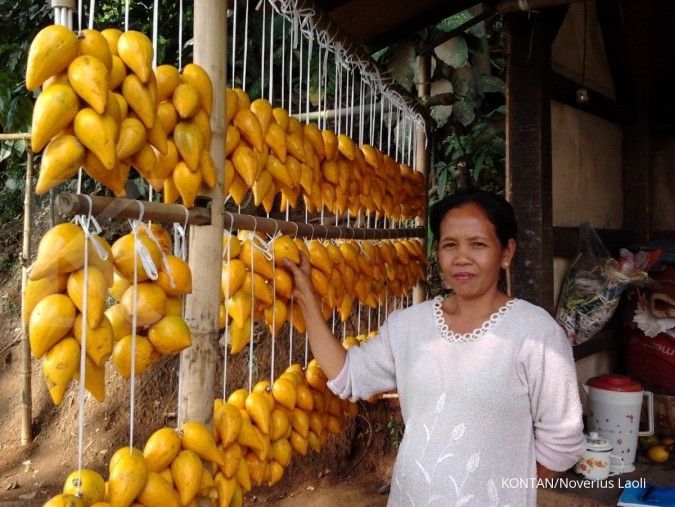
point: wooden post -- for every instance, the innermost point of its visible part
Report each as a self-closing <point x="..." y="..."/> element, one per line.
<point x="422" y="162"/>
<point x="528" y="152"/>
<point x="26" y="395"/>
<point x="198" y="363"/>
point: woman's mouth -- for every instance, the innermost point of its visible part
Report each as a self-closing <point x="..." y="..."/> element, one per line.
<point x="463" y="277"/>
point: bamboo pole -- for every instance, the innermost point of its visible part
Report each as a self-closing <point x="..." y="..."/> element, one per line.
<point x="26" y="395"/>
<point x="422" y="162"/>
<point x="198" y="363"/>
<point x="108" y="207"/>
<point x="15" y="136"/>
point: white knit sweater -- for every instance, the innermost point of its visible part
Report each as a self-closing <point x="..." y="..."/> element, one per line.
<point x="478" y="415"/>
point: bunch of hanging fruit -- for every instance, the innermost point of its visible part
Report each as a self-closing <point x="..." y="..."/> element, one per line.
<point x="54" y="305"/>
<point x="254" y="438"/>
<point x="103" y="108"/>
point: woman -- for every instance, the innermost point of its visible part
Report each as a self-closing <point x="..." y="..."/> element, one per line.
<point x="487" y="383"/>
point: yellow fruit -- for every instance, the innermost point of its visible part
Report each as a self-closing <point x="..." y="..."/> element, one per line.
<point x="89" y="77"/>
<point x="258" y="261"/>
<point x="167" y="116"/>
<point x="249" y="127"/>
<point x="256" y="468"/>
<point x="145" y="162"/>
<point x="186" y="100"/>
<point x="280" y="425"/>
<point x="254" y="283"/>
<point x="187" y="183"/>
<point x="263" y="110"/>
<point x="228" y="423"/>
<point x="123" y="254"/>
<point x="232" y="138"/>
<point x="161" y="449"/>
<point x="284" y="393"/>
<point x="298" y="443"/>
<point x="232" y="277"/>
<point x="207" y="168"/>
<point x="197" y="437"/>
<point x="226" y="488"/>
<point x="51" y="51"/>
<point x="164" y="165"/>
<point x="94" y="379"/>
<point x="117" y="316"/>
<point x="197" y="77"/>
<point x="282" y="452"/>
<point x="258" y="408"/>
<point x="243" y="476"/>
<point x="174" y="306"/>
<point x="243" y="101"/>
<point x="207" y="483"/>
<point x="39" y="289"/>
<point x="97" y="292"/>
<point x="61" y="160"/>
<point x="231" y="105"/>
<point x="157" y="138"/>
<point x="170" y="335"/>
<point x="245" y="162"/>
<point x="59" y="366"/>
<point x="132" y="137"/>
<point x="187" y="471"/>
<point x="169" y="191"/>
<point x="261" y="186"/>
<point x="180" y="282"/>
<point x="105" y="266"/>
<point x="275" y="315"/>
<point x="54" y="110"/>
<point x="140" y="98"/>
<point x="166" y="473"/>
<point x="248" y="436"/>
<point x="85" y="484"/>
<point x="158" y="492"/>
<point x="150" y="303"/>
<point x="300" y="420"/>
<point x="121" y="356"/>
<point x="128" y="475"/>
<point x="64" y="501"/>
<point x="168" y="78"/>
<point x="189" y="142"/>
<point x="50" y="320"/>
<point x="100" y="339"/>
<point x="239" y="307"/>
<point x="98" y="133"/>
<point x="135" y="50"/>
<point x="115" y="180"/>
<point x="295" y="148"/>
<point x="315" y="138"/>
<point x="117" y="73"/>
<point x="658" y="454"/>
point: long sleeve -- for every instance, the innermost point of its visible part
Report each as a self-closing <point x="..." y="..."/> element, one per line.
<point x="547" y="365"/>
<point x="370" y="367"/>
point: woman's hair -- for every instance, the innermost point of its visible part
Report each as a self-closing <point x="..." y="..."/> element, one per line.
<point x="497" y="209"/>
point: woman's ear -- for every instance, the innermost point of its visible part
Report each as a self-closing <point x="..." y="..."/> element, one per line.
<point x="508" y="253"/>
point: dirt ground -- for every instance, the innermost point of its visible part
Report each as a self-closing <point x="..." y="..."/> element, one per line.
<point x="350" y="470"/>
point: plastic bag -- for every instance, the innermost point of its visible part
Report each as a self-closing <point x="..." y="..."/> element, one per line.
<point x="593" y="287"/>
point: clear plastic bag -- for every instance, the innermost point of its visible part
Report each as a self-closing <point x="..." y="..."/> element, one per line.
<point x="592" y="288"/>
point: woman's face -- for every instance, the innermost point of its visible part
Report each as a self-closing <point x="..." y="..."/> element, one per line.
<point x="470" y="253"/>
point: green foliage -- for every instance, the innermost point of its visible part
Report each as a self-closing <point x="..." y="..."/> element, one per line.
<point x="394" y="429"/>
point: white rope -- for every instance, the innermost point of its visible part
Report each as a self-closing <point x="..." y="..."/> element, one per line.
<point x="319" y="86"/>
<point x="79" y="14"/>
<point x="283" y="67"/>
<point x="243" y="81"/>
<point x="300" y="75"/>
<point x="351" y="105"/>
<point x="92" y="6"/>
<point x="362" y="103"/>
<point x="180" y="36"/>
<point x="270" y="95"/>
<point x="290" y="76"/>
<point x="227" y="296"/>
<point x="389" y="130"/>
<point x="134" y="325"/>
<point x="325" y="86"/>
<point x="262" y="47"/>
<point x="126" y="16"/>
<point x="155" y="23"/>
<point x="338" y="92"/>
<point x="234" y="50"/>
<point x="381" y="122"/>
<point x="274" y="313"/>
<point x="309" y="76"/>
<point x="250" y="342"/>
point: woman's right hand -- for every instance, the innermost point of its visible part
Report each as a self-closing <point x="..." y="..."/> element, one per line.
<point x="303" y="290"/>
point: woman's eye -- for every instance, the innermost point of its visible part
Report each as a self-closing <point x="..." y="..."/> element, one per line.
<point x="478" y="244"/>
<point x="448" y="245"/>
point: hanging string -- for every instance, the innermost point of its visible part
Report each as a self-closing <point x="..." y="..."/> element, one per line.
<point x="351" y="106"/>
<point x="300" y="76"/>
<point x="234" y="48"/>
<point x="389" y="129"/>
<point x="180" y="36"/>
<point x="134" y="326"/>
<point x="319" y="86"/>
<point x="92" y="5"/>
<point x="243" y="82"/>
<point x="83" y="348"/>
<point x="362" y="104"/>
<point x="310" y="45"/>
<point x="342" y="114"/>
<point x="262" y="48"/>
<point x="290" y="75"/>
<point x="336" y="100"/>
<point x="270" y="96"/>
<point x="325" y="88"/>
<point x="228" y="255"/>
<point x="381" y="122"/>
<point x="274" y="313"/>
<point x="250" y="341"/>
<point x="283" y="66"/>
<point x="79" y="14"/>
<point x="155" y="22"/>
<point x="126" y="16"/>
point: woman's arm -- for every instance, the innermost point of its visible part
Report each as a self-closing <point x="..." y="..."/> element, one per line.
<point x="546" y="473"/>
<point x="325" y="346"/>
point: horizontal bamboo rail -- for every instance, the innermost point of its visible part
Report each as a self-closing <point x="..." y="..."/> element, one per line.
<point x="76" y="204"/>
<point x="17" y="136"/>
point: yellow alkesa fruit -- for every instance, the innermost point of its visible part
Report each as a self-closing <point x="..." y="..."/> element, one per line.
<point x="50" y="320"/>
<point x="54" y="110"/>
<point x="161" y="449"/>
<point x="170" y="335"/>
<point x="59" y="366"/>
<point x="85" y="484"/>
<point x="51" y="51"/>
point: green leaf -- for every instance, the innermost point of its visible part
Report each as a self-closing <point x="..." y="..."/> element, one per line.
<point x="491" y="84"/>
<point x="402" y="63"/>
<point x="441" y="114"/>
<point x="454" y="52"/>
<point x="464" y="113"/>
<point x="442" y="183"/>
<point x="449" y="24"/>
